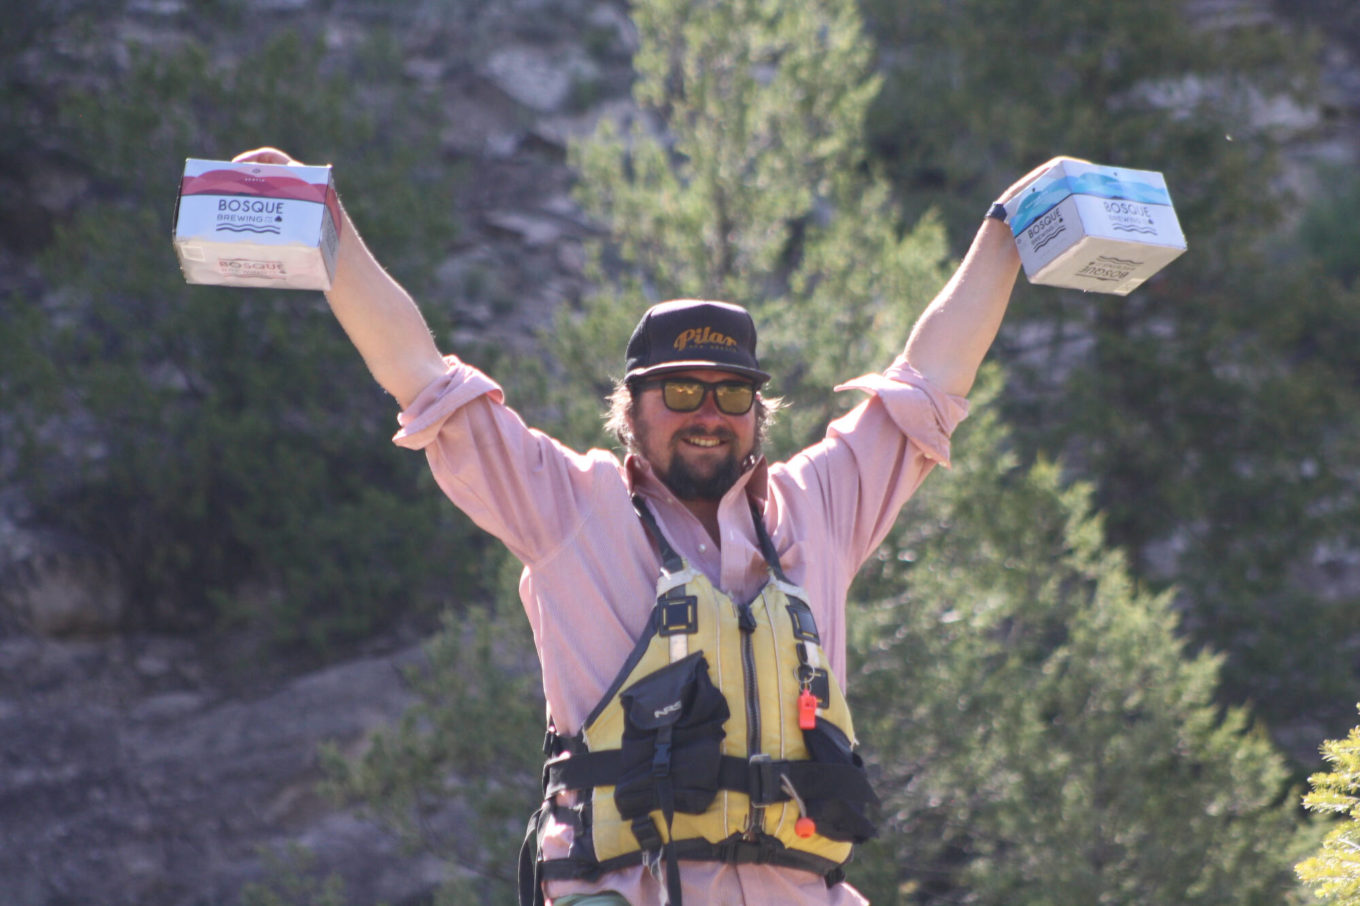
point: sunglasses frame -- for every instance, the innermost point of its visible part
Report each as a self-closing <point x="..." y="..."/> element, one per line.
<point x="708" y="386"/>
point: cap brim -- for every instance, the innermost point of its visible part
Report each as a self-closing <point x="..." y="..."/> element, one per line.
<point x="668" y="367"/>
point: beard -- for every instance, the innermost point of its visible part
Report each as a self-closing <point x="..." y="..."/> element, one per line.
<point x="689" y="483"/>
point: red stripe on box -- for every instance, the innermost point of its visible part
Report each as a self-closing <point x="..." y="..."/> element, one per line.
<point x="234" y="182"/>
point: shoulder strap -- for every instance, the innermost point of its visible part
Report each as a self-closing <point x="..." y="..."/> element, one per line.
<point x="670" y="560"/>
<point x="766" y="543"/>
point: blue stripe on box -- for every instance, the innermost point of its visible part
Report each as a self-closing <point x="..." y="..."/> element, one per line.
<point x="1042" y="199"/>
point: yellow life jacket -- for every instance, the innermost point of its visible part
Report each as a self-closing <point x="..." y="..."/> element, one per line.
<point x="723" y="737"/>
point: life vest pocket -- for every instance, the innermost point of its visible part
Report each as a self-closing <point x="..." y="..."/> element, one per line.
<point x="841" y="811"/>
<point x="672" y="739"/>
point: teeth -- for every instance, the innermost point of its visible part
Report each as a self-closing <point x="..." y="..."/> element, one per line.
<point x="704" y="441"/>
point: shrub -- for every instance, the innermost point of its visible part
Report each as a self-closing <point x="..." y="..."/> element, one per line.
<point x="219" y="441"/>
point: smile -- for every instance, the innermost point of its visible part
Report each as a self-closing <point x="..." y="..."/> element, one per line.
<point x="703" y="441"/>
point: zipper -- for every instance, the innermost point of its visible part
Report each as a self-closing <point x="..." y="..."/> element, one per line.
<point x="746" y="622"/>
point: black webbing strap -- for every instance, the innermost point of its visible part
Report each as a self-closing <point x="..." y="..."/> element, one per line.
<point x="569" y="869"/>
<point x="530" y="865"/>
<point x="582" y="771"/>
<point x="764" y="850"/>
<point x="759" y="779"/>
<point x="674" y="563"/>
<point x="766" y="544"/>
<point x="735" y="850"/>
<point x="762" y="780"/>
<point x="670" y="560"/>
<point x="665" y="787"/>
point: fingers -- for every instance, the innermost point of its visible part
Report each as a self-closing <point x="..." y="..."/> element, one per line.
<point x="264" y="155"/>
<point x="1023" y="182"/>
<point x="1063" y="158"/>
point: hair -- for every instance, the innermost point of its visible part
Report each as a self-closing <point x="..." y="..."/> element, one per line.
<point x="623" y="409"/>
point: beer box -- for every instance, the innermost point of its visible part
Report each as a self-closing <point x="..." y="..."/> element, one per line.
<point x="259" y="225"/>
<point x="1101" y="229"/>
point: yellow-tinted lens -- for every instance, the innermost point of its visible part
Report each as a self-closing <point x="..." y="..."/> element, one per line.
<point x="683" y="396"/>
<point x="732" y="397"/>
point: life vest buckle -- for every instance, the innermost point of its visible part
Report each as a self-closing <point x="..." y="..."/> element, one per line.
<point x="661" y="758"/>
<point x="763" y="784"/>
<point x="737" y="850"/>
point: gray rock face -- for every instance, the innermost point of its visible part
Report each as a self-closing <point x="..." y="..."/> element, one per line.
<point x="542" y="80"/>
<point x="59" y="588"/>
<point x="129" y="777"/>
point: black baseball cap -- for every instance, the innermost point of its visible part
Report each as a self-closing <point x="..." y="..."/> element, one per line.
<point x="692" y="333"/>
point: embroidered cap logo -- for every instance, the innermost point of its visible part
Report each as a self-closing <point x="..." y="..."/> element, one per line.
<point x="702" y="336"/>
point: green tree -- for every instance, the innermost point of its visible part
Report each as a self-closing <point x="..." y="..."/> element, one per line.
<point x="1210" y="409"/>
<point x="1333" y="871"/>
<point x="1043" y="735"/>
<point x="210" y="439"/>
<point x="746" y="181"/>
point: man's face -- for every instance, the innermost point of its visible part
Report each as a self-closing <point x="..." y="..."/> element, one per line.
<point x="699" y="454"/>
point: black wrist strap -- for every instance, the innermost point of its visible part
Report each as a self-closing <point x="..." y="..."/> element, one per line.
<point x="997" y="211"/>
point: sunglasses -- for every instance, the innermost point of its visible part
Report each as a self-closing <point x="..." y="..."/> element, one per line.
<point x="687" y="394"/>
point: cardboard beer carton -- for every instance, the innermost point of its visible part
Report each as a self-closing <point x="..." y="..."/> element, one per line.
<point x="1102" y="229"/>
<point x="260" y="225"/>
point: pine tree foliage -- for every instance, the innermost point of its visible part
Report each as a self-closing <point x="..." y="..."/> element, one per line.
<point x="1213" y="408"/>
<point x="210" y="439"/>
<point x="1044" y="736"/>
<point x="1333" y="870"/>
<point x="745" y="180"/>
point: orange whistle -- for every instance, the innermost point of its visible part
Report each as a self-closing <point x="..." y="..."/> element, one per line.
<point x="805" y="827"/>
<point x="807" y="710"/>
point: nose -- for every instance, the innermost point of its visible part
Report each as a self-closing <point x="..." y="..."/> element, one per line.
<point x="708" y="410"/>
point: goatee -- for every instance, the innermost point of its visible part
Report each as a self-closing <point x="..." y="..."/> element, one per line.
<point x="687" y="484"/>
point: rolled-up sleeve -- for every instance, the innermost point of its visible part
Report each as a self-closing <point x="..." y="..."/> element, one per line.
<point x="926" y="415"/>
<point x="458" y="386"/>
<point x="517" y="483"/>
<point x="848" y="489"/>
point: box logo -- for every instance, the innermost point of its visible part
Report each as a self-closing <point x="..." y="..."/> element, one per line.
<point x="1109" y="269"/>
<point x="1130" y="217"/>
<point x="250" y="215"/>
<point x="1046" y="229"/>
<point x="252" y="268"/>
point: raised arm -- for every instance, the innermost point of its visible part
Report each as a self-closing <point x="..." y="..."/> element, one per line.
<point x="379" y="316"/>
<point x="955" y="331"/>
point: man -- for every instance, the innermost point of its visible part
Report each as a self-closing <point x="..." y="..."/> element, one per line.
<point x="688" y="603"/>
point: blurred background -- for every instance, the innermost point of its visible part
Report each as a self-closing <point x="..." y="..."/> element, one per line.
<point x="248" y="654"/>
